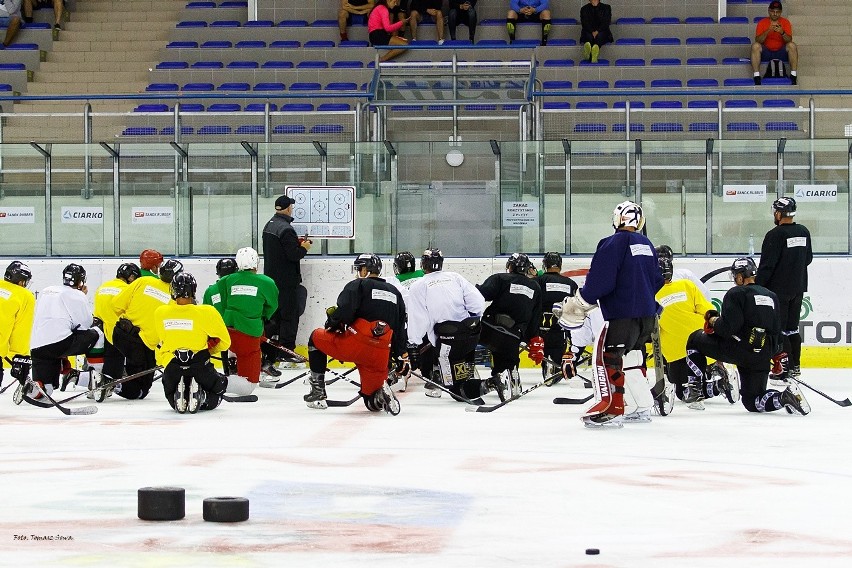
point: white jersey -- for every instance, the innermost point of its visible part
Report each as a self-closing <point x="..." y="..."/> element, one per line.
<point x="586" y="334"/>
<point x="686" y="274"/>
<point x="438" y="297"/>
<point x="59" y="310"/>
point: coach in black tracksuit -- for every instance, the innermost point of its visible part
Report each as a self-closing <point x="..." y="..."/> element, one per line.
<point x="784" y="259"/>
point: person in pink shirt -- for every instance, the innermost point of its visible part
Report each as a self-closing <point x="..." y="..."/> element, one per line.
<point x="381" y="29"/>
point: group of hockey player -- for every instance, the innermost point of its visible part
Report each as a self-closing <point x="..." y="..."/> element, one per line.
<point x="429" y="322"/>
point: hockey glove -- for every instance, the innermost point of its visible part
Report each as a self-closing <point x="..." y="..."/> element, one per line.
<point x="414" y="356"/>
<point x="127" y="326"/>
<point x="574" y="310"/>
<point x="402" y="367"/>
<point x="569" y="370"/>
<point x="708" y="327"/>
<point x="98" y="323"/>
<point x="212" y="342"/>
<point x="780" y="364"/>
<point x="21" y="368"/>
<point x="535" y="350"/>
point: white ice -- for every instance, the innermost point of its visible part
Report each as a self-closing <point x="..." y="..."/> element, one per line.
<point x="525" y="485"/>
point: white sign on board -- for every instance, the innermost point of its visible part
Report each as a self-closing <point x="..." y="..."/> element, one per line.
<point x="83" y="215"/>
<point x="17" y="215"/>
<point x="520" y="213"/>
<point x="743" y="193"/>
<point x="814" y="192"/>
<point x="326" y="212"/>
<point x="152" y="215"/>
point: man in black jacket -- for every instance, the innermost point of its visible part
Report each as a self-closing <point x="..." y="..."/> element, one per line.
<point x="595" y="18"/>
<point x="784" y="259"/>
<point x="282" y="251"/>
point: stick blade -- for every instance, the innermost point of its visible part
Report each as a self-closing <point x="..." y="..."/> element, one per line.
<point x="83" y="410"/>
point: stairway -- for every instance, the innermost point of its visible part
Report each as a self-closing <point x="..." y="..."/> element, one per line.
<point x="107" y="47"/>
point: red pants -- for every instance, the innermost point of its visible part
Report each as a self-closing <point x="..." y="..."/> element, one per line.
<point x="358" y="345"/>
<point x="247" y="350"/>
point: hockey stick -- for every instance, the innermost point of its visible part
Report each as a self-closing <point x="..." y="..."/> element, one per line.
<point x="4" y="389"/>
<point x="342" y="403"/>
<point x="710" y="275"/>
<point x="844" y="403"/>
<point x="458" y="397"/>
<point x="505" y="402"/>
<point x="566" y="400"/>
<point x="115" y="383"/>
<point x="283" y="353"/>
<point x="239" y="398"/>
<point x="91" y="409"/>
<point x="343" y="375"/>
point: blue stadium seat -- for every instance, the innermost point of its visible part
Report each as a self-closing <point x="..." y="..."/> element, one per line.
<point x="629" y="21"/>
<point x="341" y="86"/>
<point x="701" y="40"/>
<point x="735" y="40"/>
<point x="589" y="127"/>
<point x="260" y="107"/>
<point x="665" y="41"/>
<point x="666" y="127"/>
<point x="665" y="20"/>
<point x="355" y="43"/>
<point x="207" y="65"/>
<point x="455" y="42"/>
<point x="733" y="19"/>
<point x="193" y="5"/>
<point x="224" y="107"/>
<point x="334" y="107"/>
<point x="139" y="131"/>
<point x="305" y="86"/>
<point x="781" y="126"/>
<point x="234" y="4"/>
<point x="12" y="67"/>
<point x="630" y="41"/>
<point x="250" y="44"/>
<point x="439" y="108"/>
<point x="258" y="129"/>
<point x="777" y="81"/>
<point x="271" y="86"/>
<point x="779" y="103"/>
<point x="191" y="24"/>
<point x="173" y="65"/>
<point x="278" y="65"/>
<point x="658" y="61"/>
<point x="556" y="85"/>
<point x="318" y="43"/>
<point x="702" y="103"/>
<point x="666" y="84"/>
<point x="666" y="104"/>
<point x="285" y="44"/>
<point x="347" y="65"/>
<point x="601" y="62"/>
<point x="312" y="65"/>
<point x="234" y="87"/>
<point x="217" y="44"/>
<point x="629" y="84"/>
<point x="702" y="83"/>
<point x="170" y="130"/>
<point x="634" y="127"/>
<point x="214" y="129"/>
<point x="558" y="62"/>
<point x="699" y="20"/>
<point x="702" y="61"/>
<point x="243" y="65"/>
<point x="182" y="45"/>
<point x="259" y="24"/>
<point x="197" y="87"/>
<point x="297" y="107"/>
<point x="735" y="61"/>
<point x="742" y="127"/>
<point x="152" y="108"/>
<point x="292" y="23"/>
<point x="23" y="47"/>
<point x="565" y="21"/>
<point x="324" y="24"/>
<point x="741" y="103"/>
<point x="326" y="129"/>
<point x="161" y="88"/>
<point x="191" y="107"/>
<point x="739" y="82"/>
<point x="225" y="24"/>
<point x="491" y="42"/>
<point x="560" y="42"/>
<point x="556" y="105"/>
<point x="703" y="126"/>
<point x="629" y="62"/>
<point x="633" y="104"/>
<point x="593" y="84"/>
<point x="590" y="105"/>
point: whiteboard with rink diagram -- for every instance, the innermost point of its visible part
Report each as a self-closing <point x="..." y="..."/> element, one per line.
<point x="326" y="212"/>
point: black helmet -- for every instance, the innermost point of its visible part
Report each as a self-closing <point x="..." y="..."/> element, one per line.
<point x="744" y="266"/>
<point x="666" y="267"/>
<point x="128" y="269"/>
<point x="519" y="263"/>
<point x="665" y="251"/>
<point x="73" y="275"/>
<point x="169" y="269"/>
<point x="183" y="285"/>
<point x="18" y="273"/>
<point x="551" y="259"/>
<point x="370" y="261"/>
<point x="225" y="266"/>
<point x="785" y="205"/>
<point x="403" y="263"/>
<point x="432" y="260"/>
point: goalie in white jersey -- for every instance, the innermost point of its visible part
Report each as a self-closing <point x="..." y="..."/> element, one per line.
<point x="444" y="312"/>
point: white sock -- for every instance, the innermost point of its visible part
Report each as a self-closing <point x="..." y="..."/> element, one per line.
<point x="793" y="73"/>
<point x="757" y="73"/>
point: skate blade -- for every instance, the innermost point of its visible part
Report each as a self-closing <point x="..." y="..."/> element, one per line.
<point x="317" y="404"/>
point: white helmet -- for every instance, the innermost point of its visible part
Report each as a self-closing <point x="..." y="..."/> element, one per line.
<point x="247" y="259"/>
<point x="628" y="214"/>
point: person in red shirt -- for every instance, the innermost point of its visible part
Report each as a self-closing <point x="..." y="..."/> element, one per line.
<point x="381" y="29"/>
<point x="773" y="39"/>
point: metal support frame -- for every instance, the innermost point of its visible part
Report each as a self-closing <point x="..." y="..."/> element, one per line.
<point x="638" y="164"/>
<point x="267" y="157"/>
<point x="323" y="155"/>
<point x="48" y="197"/>
<point x="251" y="150"/>
<point x="495" y="149"/>
<point x="849" y="198"/>
<point x="708" y="195"/>
<point x="779" y="160"/>
<point x="181" y="178"/>
<point x="566" y="147"/>
<point x="116" y="195"/>
<point x="87" y="157"/>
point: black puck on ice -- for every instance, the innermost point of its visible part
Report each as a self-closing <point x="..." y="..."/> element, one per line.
<point x="593" y="551"/>
<point x="161" y="503"/>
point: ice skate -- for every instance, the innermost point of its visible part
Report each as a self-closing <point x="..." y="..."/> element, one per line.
<point x="195" y="397"/>
<point x="180" y="397"/>
<point x="794" y="401"/>
<point x="604" y="420"/>
<point x="779" y="373"/>
<point x="638" y="416"/>
<point x="22" y="390"/>
<point x="71" y="378"/>
<point x="270" y="370"/>
<point x="317" y="397"/>
<point x="696" y="405"/>
<point x="664" y="403"/>
<point x="495" y="383"/>
<point x="96" y="392"/>
<point x="729" y="384"/>
<point x="387" y="400"/>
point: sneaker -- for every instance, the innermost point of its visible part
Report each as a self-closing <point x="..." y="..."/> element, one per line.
<point x="794" y="401"/>
<point x="440" y="42"/>
<point x="697" y="405"/>
<point x="604" y="420"/>
<point x="757" y="80"/>
<point x="793" y="80"/>
<point x="587" y="51"/>
<point x="638" y="416"/>
<point x="596" y="51"/>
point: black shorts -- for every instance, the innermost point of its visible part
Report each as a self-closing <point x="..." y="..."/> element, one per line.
<point x="534" y="18"/>
<point x="421" y="6"/>
<point x="379" y="37"/>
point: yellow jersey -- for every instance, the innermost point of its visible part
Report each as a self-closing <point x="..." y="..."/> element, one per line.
<point x="684" y="307"/>
<point x="104" y="296"/>
<point x="139" y="301"/>
<point x="17" y="307"/>
<point x="188" y="326"/>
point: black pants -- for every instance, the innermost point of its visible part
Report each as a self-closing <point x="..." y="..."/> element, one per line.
<point x="113" y="368"/>
<point x="555" y="344"/>
<point x="47" y="359"/>
<point x="455" y="353"/>
<point x="504" y="349"/>
<point x="467" y="17"/>
<point x="789" y="311"/>
<point x="285" y="323"/>
<point x="201" y="369"/>
<point x="138" y="358"/>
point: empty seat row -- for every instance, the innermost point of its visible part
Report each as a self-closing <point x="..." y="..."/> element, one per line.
<point x="698" y="40"/>
<point x="659" y="83"/>
<point x="251" y="44"/>
<point x="250" y="107"/>
<point x="355" y="20"/>
<point x="655" y="62"/>
<point x="242" y="87"/>
<point x="270" y="64"/>
<point x="662" y="127"/>
<point x="670" y="105"/>
<point x="225" y="4"/>
<point x="221" y="129"/>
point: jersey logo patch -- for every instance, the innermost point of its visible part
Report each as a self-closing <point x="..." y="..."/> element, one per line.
<point x="216" y="298"/>
<point x="5" y="294"/>
<point x="109" y="291"/>
<point x="384" y="295"/>
<point x="556" y="287"/>
<point x="243" y="290"/>
<point x="157" y="294"/>
<point x="761" y="300"/>
<point x="797" y="242"/>
<point x="520" y="289"/>
<point x="673" y="299"/>
<point x="641" y="250"/>
<point x="178" y="324"/>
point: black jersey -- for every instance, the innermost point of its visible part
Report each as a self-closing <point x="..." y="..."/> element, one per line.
<point x="554" y="288"/>
<point x="373" y="299"/>
<point x="784" y="259"/>
<point x="517" y="296"/>
<point x="747" y="307"/>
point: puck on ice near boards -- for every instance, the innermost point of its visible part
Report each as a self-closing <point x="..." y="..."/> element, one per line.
<point x="593" y="551"/>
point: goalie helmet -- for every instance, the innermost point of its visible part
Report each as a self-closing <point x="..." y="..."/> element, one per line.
<point x="225" y="266"/>
<point x="128" y="270"/>
<point x="170" y="269"/>
<point x="785" y="205"/>
<point x="432" y="260"/>
<point x="519" y="263"/>
<point x="150" y="259"/>
<point x="744" y="266"/>
<point x="247" y="259"/>
<point x="73" y="275"/>
<point x="551" y="259"/>
<point x="403" y="262"/>
<point x="183" y="285"/>
<point x="666" y="267"/>
<point x="18" y="273"/>
<point x="665" y="251"/>
<point x="628" y="214"/>
<point x="370" y="261"/>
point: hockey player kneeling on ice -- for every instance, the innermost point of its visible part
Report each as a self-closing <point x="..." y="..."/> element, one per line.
<point x="746" y="333"/>
<point x="684" y="306"/>
<point x="513" y="316"/>
<point x="17" y="306"/>
<point x="623" y="278"/>
<point x="365" y="328"/>
<point x="62" y="326"/>
<point x="187" y="335"/>
<point x="445" y="309"/>
<point x="554" y="289"/>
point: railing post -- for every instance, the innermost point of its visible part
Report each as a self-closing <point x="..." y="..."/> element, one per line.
<point x="87" y="156"/>
<point x="708" y="195"/>
<point x="779" y="159"/>
<point x="48" y="197"/>
<point x="251" y="150"/>
<point x="638" y="165"/>
<point x="566" y="147"/>
<point x="116" y="196"/>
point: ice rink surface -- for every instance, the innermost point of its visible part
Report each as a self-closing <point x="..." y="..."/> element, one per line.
<point x="525" y="485"/>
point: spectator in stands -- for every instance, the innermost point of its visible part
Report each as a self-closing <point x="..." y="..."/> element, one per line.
<point x="431" y="7"/>
<point x="10" y="14"/>
<point x="774" y="40"/>
<point x="381" y="29"/>
<point x="528" y="11"/>
<point x="58" y="7"/>
<point x="462" y="12"/>
<point x="595" y="18"/>
<point x="349" y="8"/>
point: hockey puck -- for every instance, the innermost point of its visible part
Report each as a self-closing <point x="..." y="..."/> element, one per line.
<point x="593" y="551"/>
<point x="161" y="503"/>
<point x="226" y="509"/>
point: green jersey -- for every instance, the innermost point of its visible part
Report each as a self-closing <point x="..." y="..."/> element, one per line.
<point x="247" y="299"/>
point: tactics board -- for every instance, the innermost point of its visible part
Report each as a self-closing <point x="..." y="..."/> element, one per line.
<point x="327" y="212"/>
